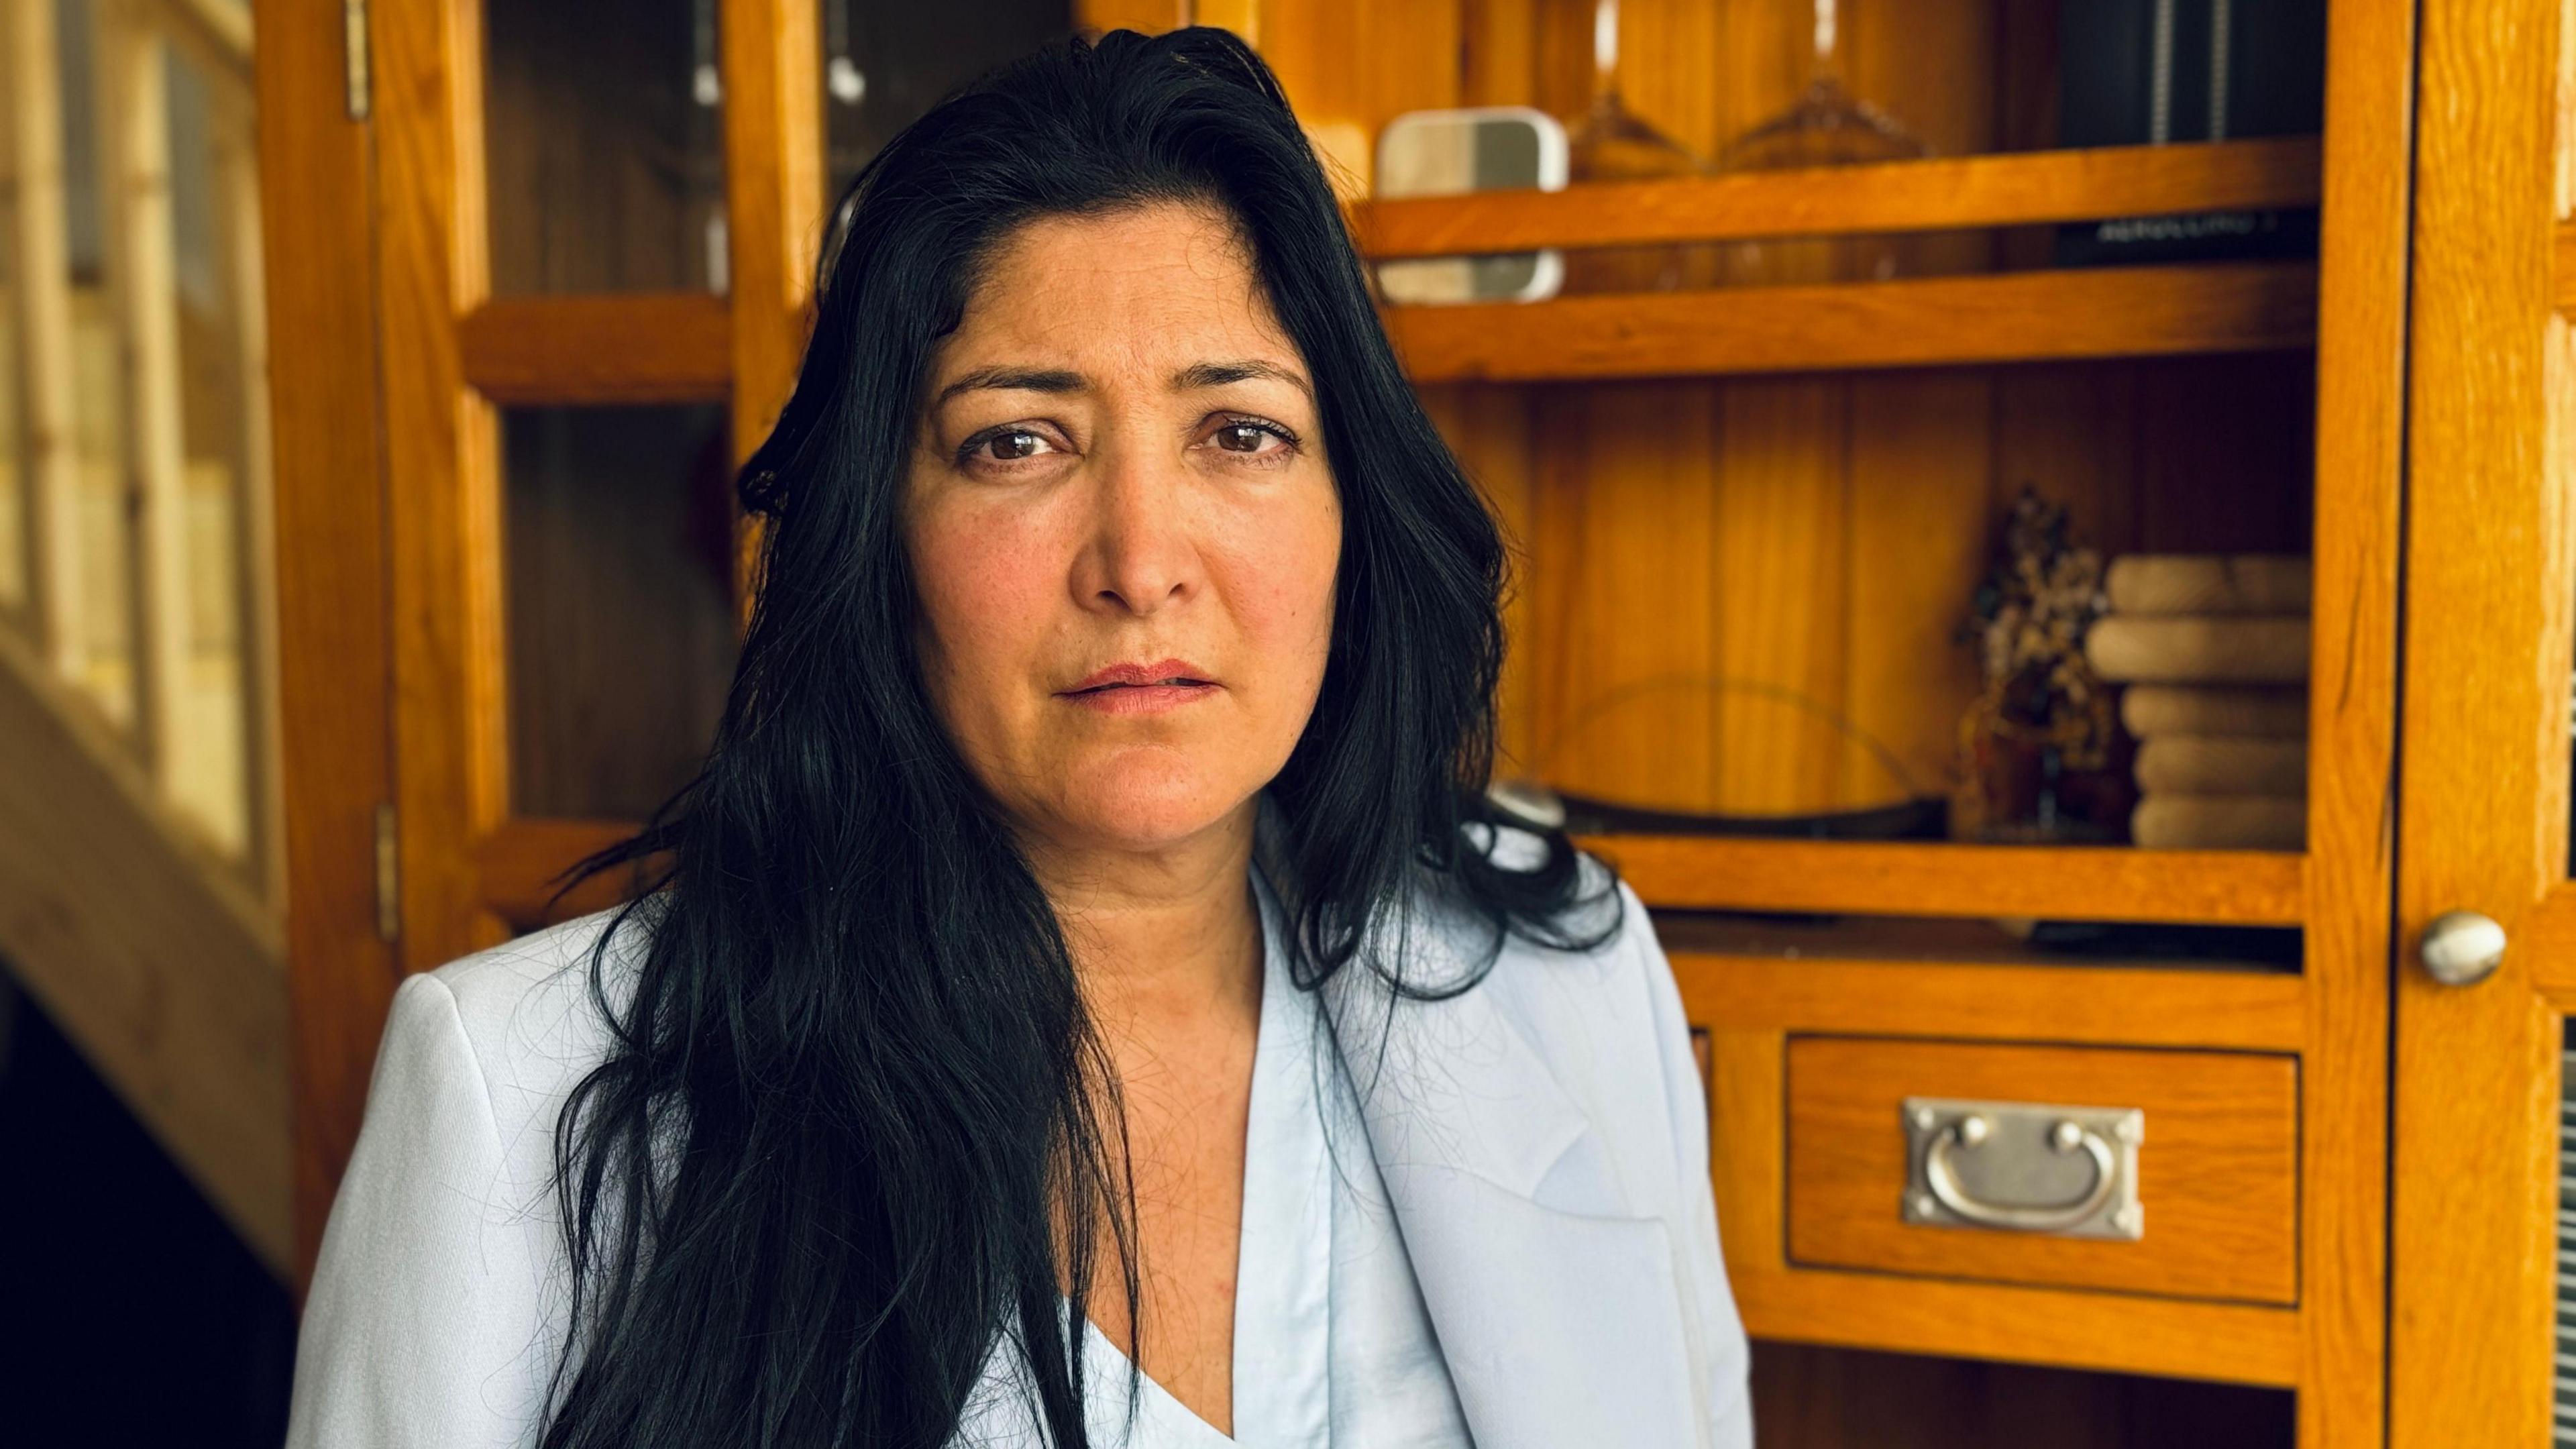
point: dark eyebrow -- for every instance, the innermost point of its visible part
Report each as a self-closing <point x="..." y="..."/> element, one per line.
<point x="1217" y="374"/>
<point x="1192" y="378"/>
<point x="1011" y="379"/>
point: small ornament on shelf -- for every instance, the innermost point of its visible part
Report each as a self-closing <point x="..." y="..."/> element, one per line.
<point x="2038" y="751"/>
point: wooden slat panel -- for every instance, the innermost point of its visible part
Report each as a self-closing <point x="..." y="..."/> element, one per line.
<point x="2027" y="316"/>
<point x="2217" y="1173"/>
<point x="134" y="130"/>
<point x="1921" y="459"/>
<point x="1623" y="531"/>
<point x="242" y="252"/>
<point x="1779" y="560"/>
<point x="2108" y="1005"/>
<point x="2084" y="883"/>
<point x="645" y="347"/>
<point x="1976" y="191"/>
<point x="30" y="89"/>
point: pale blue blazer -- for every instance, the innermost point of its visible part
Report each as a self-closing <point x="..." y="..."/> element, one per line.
<point x="1543" y="1139"/>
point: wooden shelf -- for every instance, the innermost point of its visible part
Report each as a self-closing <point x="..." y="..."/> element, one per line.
<point x="2058" y="1002"/>
<point x="2007" y="317"/>
<point x="625" y="348"/>
<point x="1800" y="938"/>
<point x="2062" y="1327"/>
<point x="1986" y="318"/>
<point x="2075" y="883"/>
<point x="1936" y="195"/>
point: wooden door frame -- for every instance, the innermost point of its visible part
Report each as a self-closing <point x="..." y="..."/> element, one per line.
<point x="2362" y="341"/>
<point x="334" y="672"/>
<point x="2483" y="809"/>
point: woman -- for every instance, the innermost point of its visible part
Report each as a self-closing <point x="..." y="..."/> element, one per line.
<point x="1089" y="1000"/>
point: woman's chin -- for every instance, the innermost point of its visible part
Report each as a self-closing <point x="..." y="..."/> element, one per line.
<point x="1150" y="808"/>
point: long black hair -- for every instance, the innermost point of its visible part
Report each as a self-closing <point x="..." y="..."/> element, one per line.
<point x="855" y="1133"/>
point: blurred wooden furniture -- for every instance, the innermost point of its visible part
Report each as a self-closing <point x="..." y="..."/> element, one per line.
<point x="142" y="891"/>
<point x="1741" y="511"/>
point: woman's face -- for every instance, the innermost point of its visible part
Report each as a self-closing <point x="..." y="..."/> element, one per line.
<point x="1124" y="531"/>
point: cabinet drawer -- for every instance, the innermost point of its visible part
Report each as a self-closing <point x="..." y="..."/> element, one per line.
<point x="2216" y="1164"/>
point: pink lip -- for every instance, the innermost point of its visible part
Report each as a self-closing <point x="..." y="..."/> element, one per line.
<point x="1134" y="688"/>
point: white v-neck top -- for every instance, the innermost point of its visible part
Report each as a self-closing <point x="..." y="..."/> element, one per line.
<point x="1333" y="1348"/>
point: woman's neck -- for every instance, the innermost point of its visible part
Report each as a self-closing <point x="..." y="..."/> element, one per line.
<point x="1161" y="938"/>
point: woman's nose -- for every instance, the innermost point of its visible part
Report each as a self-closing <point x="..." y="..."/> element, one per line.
<point x="1140" y="556"/>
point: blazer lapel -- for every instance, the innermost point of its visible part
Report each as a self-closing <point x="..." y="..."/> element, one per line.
<point x="1555" y="1307"/>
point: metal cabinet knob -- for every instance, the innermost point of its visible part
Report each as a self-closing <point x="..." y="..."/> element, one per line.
<point x="2462" y="948"/>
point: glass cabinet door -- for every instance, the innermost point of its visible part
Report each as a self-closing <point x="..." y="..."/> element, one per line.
<point x="597" y="227"/>
<point x="2486" y="913"/>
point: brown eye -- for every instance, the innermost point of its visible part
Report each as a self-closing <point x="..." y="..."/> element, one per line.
<point x="1255" y="440"/>
<point x="1008" y="447"/>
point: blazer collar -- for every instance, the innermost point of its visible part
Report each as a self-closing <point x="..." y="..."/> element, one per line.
<point x="1554" y="1305"/>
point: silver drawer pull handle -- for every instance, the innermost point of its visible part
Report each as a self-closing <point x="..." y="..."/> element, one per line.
<point x="2004" y="1166"/>
<point x="2066" y="1136"/>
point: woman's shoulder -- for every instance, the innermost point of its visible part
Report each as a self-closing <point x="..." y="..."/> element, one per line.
<point x="1593" y="973"/>
<point x="1600" y="1001"/>
<point x="437" y="1304"/>
<point x="526" y="1008"/>
<point x="1604" y="937"/>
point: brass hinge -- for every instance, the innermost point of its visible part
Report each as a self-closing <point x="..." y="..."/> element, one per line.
<point x="353" y="41"/>
<point x="388" y="877"/>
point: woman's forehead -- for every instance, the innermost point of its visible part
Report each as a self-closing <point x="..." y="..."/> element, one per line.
<point x="1154" y="287"/>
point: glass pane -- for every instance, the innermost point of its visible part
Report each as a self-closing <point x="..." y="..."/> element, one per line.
<point x="604" y="145"/>
<point x="621" y="633"/>
<point x="883" y="65"/>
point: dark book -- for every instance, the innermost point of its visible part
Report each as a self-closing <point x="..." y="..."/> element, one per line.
<point x="2149" y="72"/>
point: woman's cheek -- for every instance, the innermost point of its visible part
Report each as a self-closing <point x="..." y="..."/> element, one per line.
<point x="1289" y="562"/>
<point x="985" y="594"/>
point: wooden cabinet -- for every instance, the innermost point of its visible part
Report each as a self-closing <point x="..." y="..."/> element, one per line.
<point x="1750" y="519"/>
<point x="1792" y="488"/>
